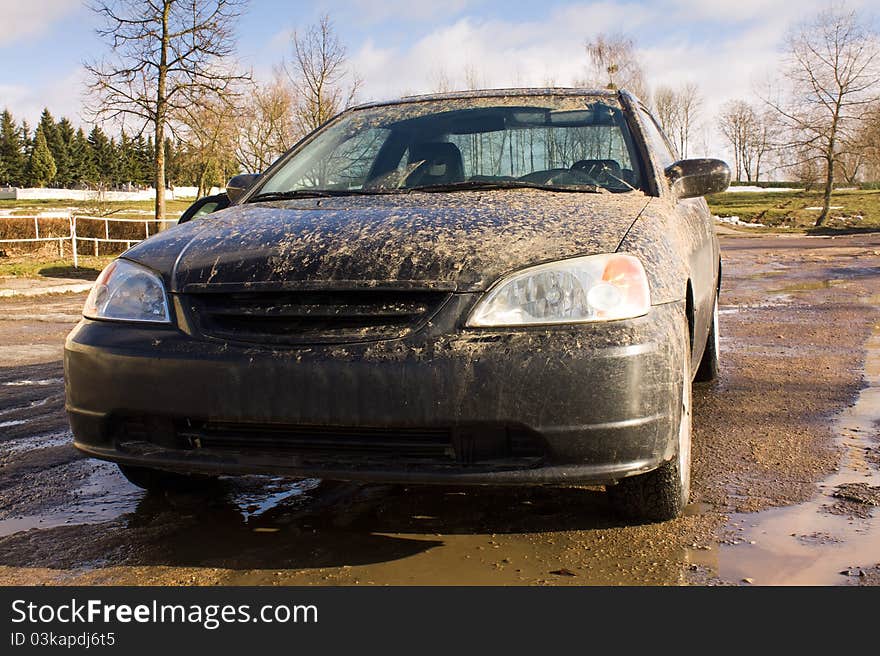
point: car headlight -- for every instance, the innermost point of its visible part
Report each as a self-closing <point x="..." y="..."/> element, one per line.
<point x="126" y="291"/>
<point x="579" y="290"/>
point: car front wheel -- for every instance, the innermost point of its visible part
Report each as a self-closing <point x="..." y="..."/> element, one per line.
<point x="663" y="493"/>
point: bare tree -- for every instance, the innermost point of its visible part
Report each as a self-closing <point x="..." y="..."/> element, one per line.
<point x="869" y="141"/>
<point x="440" y="82"/>
<point x="267" y="125"/>
<point x="751" y="134"/>
<point x="614" y="64"/>
<point x="678" y="111"/>
<point x="318" y="71"/>
<point x="832" y="69"/>
<point x="168" y="57"/>
<point x="666" y="109"/>
<point x="209" y="137"/>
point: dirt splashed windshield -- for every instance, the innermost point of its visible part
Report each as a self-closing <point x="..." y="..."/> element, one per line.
<point x="555" y="142"/>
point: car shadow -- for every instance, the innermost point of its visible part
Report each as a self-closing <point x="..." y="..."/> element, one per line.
<point x="334" y="525"/>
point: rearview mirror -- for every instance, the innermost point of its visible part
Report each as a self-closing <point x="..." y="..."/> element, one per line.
<point x="239" y="184"/>
<point x="691" y="178"/>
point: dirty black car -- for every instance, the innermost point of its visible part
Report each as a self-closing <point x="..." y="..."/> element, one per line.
<point x="511" y="287"/>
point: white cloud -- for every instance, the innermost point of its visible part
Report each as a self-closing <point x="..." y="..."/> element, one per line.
<point x="28" y="18"/>
<point x="727" y="52"/>
<point x="501" y="53"/>
<point x="373" y="11"/>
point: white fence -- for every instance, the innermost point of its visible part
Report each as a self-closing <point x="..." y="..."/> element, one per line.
<point x="178" y="193"/>
<point x="76" y="240"/>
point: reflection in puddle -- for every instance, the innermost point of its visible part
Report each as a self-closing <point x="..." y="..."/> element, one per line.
<point x="41" y="383"/>
<point x="254" y="495"/>
<point x="805" y="544"/>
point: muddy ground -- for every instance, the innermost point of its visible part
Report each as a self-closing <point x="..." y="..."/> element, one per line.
<point x="779" y="443"/>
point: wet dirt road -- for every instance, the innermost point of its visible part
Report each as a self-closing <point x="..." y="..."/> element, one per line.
<point x="786" y="480"/>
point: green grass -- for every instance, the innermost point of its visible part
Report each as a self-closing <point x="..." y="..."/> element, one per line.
<point x="119" y="208"/>
<point x="788" y="210"/>
<point x="25" y="266"/>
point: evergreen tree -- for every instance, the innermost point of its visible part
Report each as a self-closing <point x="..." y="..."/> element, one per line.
<point x="143" y="164"/>
<point x="12" y="159"/>
<point x="102" y="156"/>
<point x="64" y="177"/>
<point x="127" y="164"/>
<point x="82" y="163"/>
<point x="41" y="166"/>
<point x="53" y="140"/>
<point x="27" y="143"/>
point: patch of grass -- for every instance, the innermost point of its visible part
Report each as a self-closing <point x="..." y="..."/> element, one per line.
<point x="855" y="211"/>
<point x="28" y="267"/>
<point x="128" y="208"/>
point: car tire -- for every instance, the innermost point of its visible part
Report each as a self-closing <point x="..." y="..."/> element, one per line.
<point x="154" y="480"/>
<point x="709" y="365"/>
<point x="661" y="494"/>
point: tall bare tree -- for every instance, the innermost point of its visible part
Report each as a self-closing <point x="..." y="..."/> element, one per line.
<point x="751" y="134"/>
<point x="678" y="111"/>
<point x="832" y="69"/>
<point x="167" y="57"/>
<point x="323" y="83"/>
<point x="209" y="138"/>
<point x="614" y="64"/>
<point x="666" y="109"/>
<point x="267" y="125"/>
<point x="869" y="141"/>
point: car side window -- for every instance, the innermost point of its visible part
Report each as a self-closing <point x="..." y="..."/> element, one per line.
<point x="204" y="205"/>
<point x="660" y="148"/>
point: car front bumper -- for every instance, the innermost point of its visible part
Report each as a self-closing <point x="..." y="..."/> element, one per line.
<point x="581" y="404"/>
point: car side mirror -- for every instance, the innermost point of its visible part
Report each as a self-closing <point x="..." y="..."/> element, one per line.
<point x="239" y="184"/>
<point x="691" y="178"/>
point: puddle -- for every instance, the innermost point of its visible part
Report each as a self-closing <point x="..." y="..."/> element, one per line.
<point x="26" y="383"/>
<point x="45" y="441"/>
<point x="14" y="422"/>
<point x="30" y="406"/>
<point x="103" y="495"/>
<point x="810" y="286"/>
<point x="806" y="544"/>
<point x="271" y="492"/>
<point x="779" y="300"/>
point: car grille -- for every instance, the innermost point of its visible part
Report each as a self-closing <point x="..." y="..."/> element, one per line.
<point x="341" y="446"/>
<point x="298" y="317"/>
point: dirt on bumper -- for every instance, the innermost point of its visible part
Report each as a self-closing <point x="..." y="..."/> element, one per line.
<point x="586" y="404"/>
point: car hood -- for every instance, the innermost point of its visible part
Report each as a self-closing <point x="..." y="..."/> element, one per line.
<point x="462" y="241"/>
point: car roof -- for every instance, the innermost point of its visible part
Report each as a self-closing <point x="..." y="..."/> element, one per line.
<point x="494" y="93"/>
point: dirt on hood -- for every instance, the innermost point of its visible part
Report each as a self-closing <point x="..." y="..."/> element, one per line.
<point x="465" y="239"/>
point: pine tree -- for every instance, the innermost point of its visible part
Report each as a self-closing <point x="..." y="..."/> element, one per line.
<point x="41" y="167"/>
<point x="82" y="163"/>
<point x="12" y="159"/>
<point x="64" y="177"/>
<point x="127" y="160"/>
<point x="53" y="140"/>
<point x="27" y="143"/>
<point x="102" y="156"/>
<point x="143" y="153"/>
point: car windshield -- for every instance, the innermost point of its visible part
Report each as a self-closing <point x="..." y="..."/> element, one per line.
<point x="555" y="142"/>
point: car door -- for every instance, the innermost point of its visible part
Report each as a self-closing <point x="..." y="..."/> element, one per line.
<point x="701" y="244"/>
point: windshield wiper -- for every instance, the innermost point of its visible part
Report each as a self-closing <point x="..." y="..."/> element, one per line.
<point x="487" y="185"/>
<point x="311" y="193"/>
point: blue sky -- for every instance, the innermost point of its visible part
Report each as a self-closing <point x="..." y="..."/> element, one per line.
<point x="404" y="46"/>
